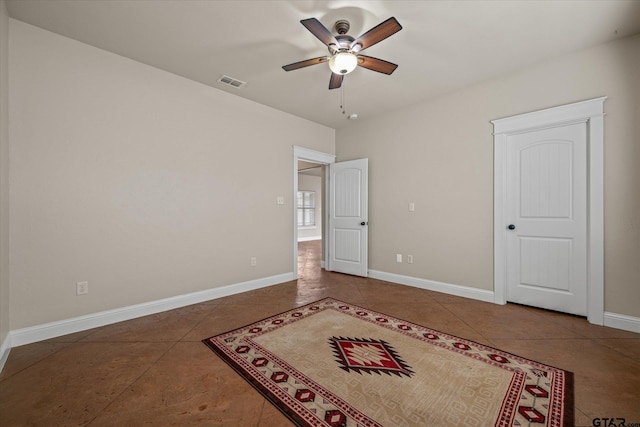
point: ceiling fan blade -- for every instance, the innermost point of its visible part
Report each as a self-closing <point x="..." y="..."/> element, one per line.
<point x="320" y="31"/>
<point x="336" y="80"/>
<point x="305" y="63"/>
<point x="376" y="34"/>
<point x="375" y="64"/>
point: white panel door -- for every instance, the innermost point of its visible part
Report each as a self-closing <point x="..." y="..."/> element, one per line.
<point x="348" y="217"/>
<point x="547" y="218"/>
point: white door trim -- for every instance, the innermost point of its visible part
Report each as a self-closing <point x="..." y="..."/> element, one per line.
<point x="306" y="154"/>
<point x="590" y="112"/>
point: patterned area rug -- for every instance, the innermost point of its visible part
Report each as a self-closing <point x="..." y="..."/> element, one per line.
<point x="332" y="363"/>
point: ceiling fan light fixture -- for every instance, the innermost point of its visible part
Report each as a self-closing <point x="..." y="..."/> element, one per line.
<point x="343" y="62"/>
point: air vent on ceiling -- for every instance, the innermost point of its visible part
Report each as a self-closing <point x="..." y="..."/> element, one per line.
<point x="230" y="81"/>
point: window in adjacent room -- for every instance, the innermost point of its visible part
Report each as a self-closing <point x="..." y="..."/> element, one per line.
<point x="306" y="208"/>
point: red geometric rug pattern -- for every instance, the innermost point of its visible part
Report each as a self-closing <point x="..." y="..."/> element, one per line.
<point x="536" y="395"/>
<point x="368" y="355"/>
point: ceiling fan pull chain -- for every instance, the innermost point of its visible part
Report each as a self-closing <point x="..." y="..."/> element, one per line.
<point x="342" y="99"/>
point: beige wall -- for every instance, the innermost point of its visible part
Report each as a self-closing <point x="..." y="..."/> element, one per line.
<point x="440" y="155"/>
<point x="145" y="184"/>
<point x="137" y="180"/>
<point x="4" y="175"/>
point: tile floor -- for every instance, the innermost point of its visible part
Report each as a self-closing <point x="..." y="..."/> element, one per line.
<point x="155" y="371"/>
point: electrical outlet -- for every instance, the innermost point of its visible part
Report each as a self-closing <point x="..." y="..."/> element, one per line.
<point x="409" y="259"/>
<point x="280" y="200"/>
<point x="398" y="257"/>
<point x="254" y="261"/>
<point x="82" y="288"/>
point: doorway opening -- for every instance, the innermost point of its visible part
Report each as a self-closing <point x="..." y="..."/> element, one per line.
<point x="345" y="234"/>
<point x="309" y="216"/>
<point x="307" y="159"/>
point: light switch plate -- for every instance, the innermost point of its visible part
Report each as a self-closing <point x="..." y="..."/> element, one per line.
<point x="82" y="288"/>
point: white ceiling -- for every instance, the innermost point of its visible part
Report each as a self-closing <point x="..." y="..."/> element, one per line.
<point x="443" y="46"/>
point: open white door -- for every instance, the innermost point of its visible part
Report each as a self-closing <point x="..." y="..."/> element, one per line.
<point x="348" y="217"/>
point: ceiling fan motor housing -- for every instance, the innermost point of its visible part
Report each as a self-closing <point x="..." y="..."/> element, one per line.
<point x="342" y="26"/>
<point x="344" y="42"/>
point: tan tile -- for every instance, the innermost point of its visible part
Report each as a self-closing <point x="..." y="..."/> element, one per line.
<point x="348" y="293"/>
<point x="383" y="292"/>
<point x="628" y="347"/>
<point x="227" y="317"/>
<point x="27" y="355"/>
<point x="508" y="321"/>
<point x="74" y="384"/>
<point x="74" y="337"/>
<point x="272" y="417"/>
<point x="451" y="299"/>
<point x="188" y="385"/>
<point x="582" y="420"/>
<point x="261" y="296"/>
<point x="581" y="325"/>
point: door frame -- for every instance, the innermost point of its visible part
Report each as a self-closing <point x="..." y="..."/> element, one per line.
<point x="309" y="155"/>
<point x="590" y="112"/>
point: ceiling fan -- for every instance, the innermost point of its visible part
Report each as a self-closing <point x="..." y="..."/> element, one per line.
<point x="344" y="51"/>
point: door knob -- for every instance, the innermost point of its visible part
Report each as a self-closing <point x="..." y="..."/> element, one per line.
<point x="511" y="227"/>
<point x="363" y="223"/>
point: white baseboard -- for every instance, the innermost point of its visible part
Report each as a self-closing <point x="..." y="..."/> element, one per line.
<point x="622" y="321"/>
<point x="5" y="348"/>
<point x="323" y="265"/>
<point x="611" y="320"/>
<point x="76" y="324"/>
<point x="63" y="327"/>
<point x="432" y="285"/>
